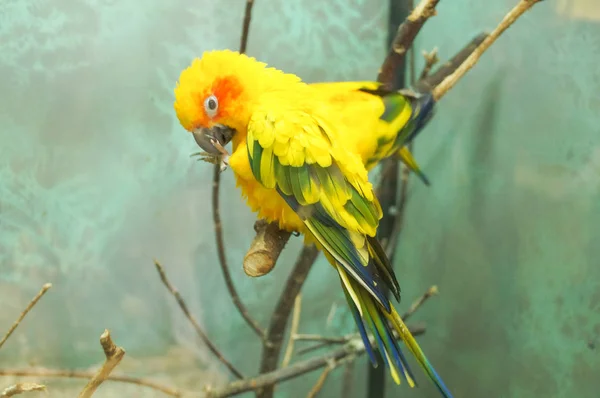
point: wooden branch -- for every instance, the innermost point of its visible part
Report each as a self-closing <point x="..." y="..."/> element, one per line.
<point x="428" y="83"/>
<point x="246" y="25"/>
<point x="265" y="248"/>
<point x="431" y="58"/>
<point x="199" y="331"/>
<point x="223" y="257"/>
<point x="326" y="341"/>
<point x="289" y="351"/>
<point x="275" y="332"/>
<point x="354" y="347"/>
<point x="21" y="388"/>
<point x="113" y="355"/>
<point x="31" y="304"/>
<point x="406" y="34"/>
<point x="506" y="22"/>
<point x="78" y="374"/>
<point x="348" y="378"/>
<point x="321" y="380"/>
<point x="218" y="226"/>
<point x="432" y="291"/>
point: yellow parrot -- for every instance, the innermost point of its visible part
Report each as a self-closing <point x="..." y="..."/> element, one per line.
<point x="300" y="155"/>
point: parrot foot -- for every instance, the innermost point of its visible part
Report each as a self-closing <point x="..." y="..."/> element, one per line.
<point x="221" y="158"/>
<point x="224" y="157"/>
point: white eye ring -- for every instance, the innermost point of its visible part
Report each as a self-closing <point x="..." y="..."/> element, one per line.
<point x="211" y="105"/>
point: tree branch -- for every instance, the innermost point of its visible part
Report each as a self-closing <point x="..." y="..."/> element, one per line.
<point x="275" y="332"/>
<point x="289" y="351"/>
<point x="429" y="82"/>
<point x="353" y="347"/>
<point x="31" y="304"/>
<point x="431" y="58"/>
<point x="265" y="248"/>
<point x="217" y="214"/>
<point x="21" y="388"/>
<point x="223" y="257"/>
<point x="77" y="374"/>
<point x="508" y="20"/>
<point x="326" y="341"/>
<point x="113" y="355"/>
<point x="184" y="308"/>
<point x="405" y="36"/>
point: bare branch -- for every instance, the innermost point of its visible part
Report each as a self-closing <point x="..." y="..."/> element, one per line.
<point x="354" y="347"/>
<point x="287" y="357"/>
<point x="433" y="79"/>
<point x="321" y="380"/>
<point x="431" y="58"/>
<point x="348" y="378"/>
<point x="326" y="341"/>
<point x="31" y="304"/>
<point x="265" y="248"/>
<point x="199" y="331"/>
<point x="77" y="374"/>
<point x="275" y="332"/>
<point x="113" y="355"/>
<point x="508" y="20"/>
<point x="432" y="291"/>
<point x="246" y="25"/>
<point x="405" y="36"/>
<point x="223" y="258"/>
<point x="21" y="388"/>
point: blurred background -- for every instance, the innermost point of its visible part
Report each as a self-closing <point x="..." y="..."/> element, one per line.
<point x="96" y="180"/>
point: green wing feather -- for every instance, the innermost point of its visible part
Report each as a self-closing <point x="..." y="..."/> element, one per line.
<point x="328" y="188"/>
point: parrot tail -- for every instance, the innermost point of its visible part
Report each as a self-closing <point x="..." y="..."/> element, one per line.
<point x="370" y="314"/>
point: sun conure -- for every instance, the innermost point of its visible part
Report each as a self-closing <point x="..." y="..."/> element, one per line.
<point x="301" y="155"/>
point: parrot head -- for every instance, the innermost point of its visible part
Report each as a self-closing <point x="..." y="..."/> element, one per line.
<point x="214" y="95"/>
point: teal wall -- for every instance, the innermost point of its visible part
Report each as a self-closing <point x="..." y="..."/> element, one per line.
<point x="96" y="180"/>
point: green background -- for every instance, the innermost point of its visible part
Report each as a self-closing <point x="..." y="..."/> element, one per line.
<point x="96" y="181"/>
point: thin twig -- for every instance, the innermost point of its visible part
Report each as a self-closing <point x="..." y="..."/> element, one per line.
<point x="324" y="341"/>
<point x="506" y="22"/>
<point x="217" y="214"/>
<point x="31" y="304"/>
<point x="246" y="25"/>
<point x="223" y="258"/>
<point x="203" y="336"/>
<point x="432" y="291"/>
<point x="113" y="354"/>
<point x="265" y="249"/>
<point x="281" y="314"/>
<point x="21" y="388"/>
<point x="433" y="79"/>
<point x="289" y="351"/>
<point x="321" y="380"/>
<point x="354" y="347"/>
<point x="431" y="58"/>
<point x="405" y="36"/>
<point x="79" y="374"/>
<point x="348" y="378"/>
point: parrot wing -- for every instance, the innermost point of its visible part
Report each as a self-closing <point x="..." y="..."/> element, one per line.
<point x="304" y="159"/>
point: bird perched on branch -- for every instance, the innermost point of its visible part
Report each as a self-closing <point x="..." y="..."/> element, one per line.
<point x="301" y="156"/>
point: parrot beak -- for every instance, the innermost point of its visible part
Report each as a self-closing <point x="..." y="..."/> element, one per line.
<point x="205" y="136"/>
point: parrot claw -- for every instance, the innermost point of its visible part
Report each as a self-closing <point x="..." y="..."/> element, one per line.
<point x="221" y="158"/>
<point x="224" y="157"/>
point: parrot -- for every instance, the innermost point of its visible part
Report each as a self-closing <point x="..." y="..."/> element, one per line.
<point x="301" y="153"/>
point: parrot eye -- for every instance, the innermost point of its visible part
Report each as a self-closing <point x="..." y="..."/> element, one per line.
<point x="211" y="104"/>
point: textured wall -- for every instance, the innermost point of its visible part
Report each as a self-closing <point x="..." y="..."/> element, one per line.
<point x="508" y="227"/>
<point x="96" y="180"/>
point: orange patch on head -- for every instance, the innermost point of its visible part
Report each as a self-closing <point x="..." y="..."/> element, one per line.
<point x="227" y="90"/>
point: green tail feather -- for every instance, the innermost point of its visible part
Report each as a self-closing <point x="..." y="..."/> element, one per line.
<point x="370" y="315"/>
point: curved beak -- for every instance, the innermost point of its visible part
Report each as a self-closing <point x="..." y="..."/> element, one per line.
<point x="220" y="133"/>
